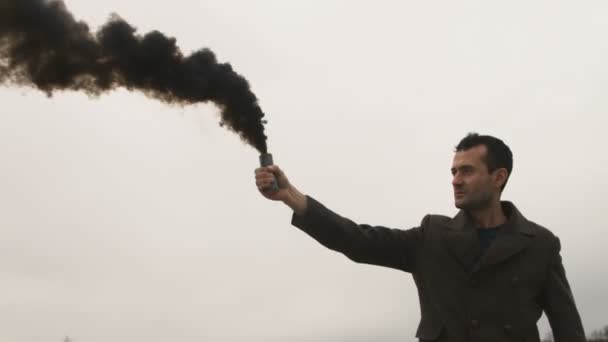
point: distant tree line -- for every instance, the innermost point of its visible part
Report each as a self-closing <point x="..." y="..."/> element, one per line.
<point x="600" y="335"/>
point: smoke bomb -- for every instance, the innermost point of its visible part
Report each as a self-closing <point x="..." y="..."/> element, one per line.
<point x="266" y="160"/>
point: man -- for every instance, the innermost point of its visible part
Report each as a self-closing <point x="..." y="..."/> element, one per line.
<point x="485" y="275"/>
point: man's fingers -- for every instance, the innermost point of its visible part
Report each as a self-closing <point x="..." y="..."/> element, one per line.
<point x="265" y="188"/>
<point x="267" y="179"/>
<point x="274" y="169"/>
<point x="263" y="182"/>
<point x="264" y="176"/>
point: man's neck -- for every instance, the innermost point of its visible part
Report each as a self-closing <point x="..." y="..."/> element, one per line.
<point x="489" y="217"/>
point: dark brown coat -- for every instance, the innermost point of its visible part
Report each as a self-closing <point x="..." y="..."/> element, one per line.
<point x="497" y="297"/>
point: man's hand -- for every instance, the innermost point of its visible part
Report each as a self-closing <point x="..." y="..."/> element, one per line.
<point x="288" y="194"/>
<point x="265" y="176"/>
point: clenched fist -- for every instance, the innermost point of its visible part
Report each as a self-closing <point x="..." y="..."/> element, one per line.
<point x="265" y="176"/>
<point x="287" y="193"/>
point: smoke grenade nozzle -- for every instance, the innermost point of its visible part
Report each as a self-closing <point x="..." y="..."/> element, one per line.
<point x="266" y="160"/>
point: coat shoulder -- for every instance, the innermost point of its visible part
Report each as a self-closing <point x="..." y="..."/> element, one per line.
<point x="541" y="232"/>
<point x="434" y="221"/>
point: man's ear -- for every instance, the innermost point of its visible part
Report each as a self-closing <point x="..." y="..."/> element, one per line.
<point x="500" y="176"/>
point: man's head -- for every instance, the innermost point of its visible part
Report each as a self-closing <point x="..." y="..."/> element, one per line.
<point x="482" y="165"/>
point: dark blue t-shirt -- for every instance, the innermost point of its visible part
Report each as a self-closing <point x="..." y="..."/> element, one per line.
<point x="486" y="237"/>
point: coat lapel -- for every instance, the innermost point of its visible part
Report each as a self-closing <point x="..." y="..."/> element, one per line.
<point x="504" y="246"/>
<point x="511" y="239"/>
<point x="463" y="241"/>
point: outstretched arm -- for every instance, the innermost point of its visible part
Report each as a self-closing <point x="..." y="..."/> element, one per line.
<point x="376" y="245"/>
<point x="359" y="242"/>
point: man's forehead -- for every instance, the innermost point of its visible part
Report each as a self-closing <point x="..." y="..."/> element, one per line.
<point x="472" y="156"/>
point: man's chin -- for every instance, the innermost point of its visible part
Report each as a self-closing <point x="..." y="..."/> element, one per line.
<point x="460" y="203"/>
<point x="471" y="204"/>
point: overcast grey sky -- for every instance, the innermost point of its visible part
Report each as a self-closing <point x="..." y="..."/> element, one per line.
<point x="124" y="219"/>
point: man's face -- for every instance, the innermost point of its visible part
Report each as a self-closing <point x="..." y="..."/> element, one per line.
<point x="474" y="186"/>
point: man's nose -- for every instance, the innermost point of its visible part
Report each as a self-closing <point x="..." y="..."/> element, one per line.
<point x="456" y="180"/>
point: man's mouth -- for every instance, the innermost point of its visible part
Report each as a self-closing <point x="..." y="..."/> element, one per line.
<point x="459" y="193"/>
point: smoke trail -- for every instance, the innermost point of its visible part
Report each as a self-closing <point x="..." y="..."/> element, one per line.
<point x="42" y="45"/>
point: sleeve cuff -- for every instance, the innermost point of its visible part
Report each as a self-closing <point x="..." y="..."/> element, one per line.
<point x="310" y="216"/>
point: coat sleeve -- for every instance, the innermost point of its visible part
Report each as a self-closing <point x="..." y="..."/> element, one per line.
<point x="361" y="243"/>
<point x="558" y="302"/>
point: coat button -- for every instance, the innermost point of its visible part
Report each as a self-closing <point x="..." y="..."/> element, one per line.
<point x="474" y="324"/>
<point x="514" y="281"/>
<point x="508" y="328"/>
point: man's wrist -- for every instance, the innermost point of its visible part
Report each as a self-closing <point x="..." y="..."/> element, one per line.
<point x="296" y="201"/>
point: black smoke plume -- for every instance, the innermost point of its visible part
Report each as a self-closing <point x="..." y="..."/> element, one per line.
<point x="42" y="45"/>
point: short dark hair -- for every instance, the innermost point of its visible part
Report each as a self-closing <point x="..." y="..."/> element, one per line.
<point x="498" y="153"/>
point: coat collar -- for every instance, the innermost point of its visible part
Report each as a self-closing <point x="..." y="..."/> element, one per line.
<point x="462" y="239"/>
